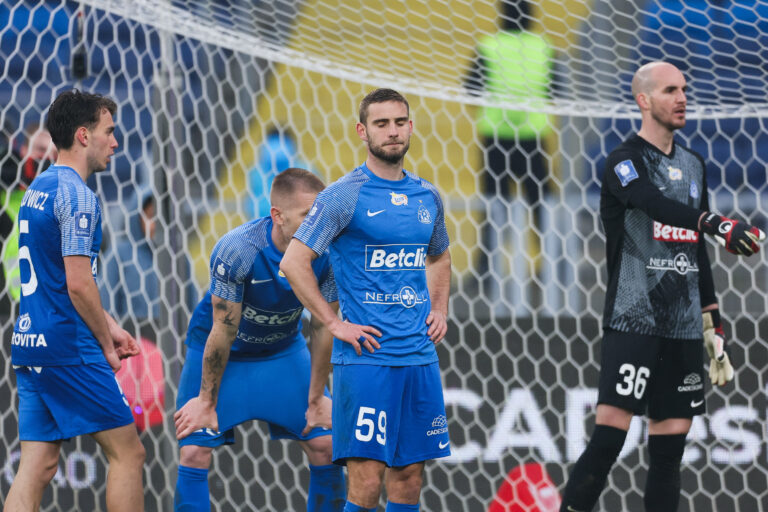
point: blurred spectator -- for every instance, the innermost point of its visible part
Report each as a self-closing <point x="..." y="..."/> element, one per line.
<point x="721" y="46"/>
<point x="35" y="154"/>
<point x="131" y="287"/>
<point x="513" y="64"/>
<point x="276" y="153"/>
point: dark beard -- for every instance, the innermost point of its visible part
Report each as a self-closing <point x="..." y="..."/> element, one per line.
<point x="391" y="158"/>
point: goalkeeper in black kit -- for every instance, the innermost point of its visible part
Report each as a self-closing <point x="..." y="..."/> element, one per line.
<point x="660" y="302"/>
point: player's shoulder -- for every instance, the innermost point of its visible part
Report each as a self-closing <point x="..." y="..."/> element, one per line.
<point x="419" y="181"/>
<point x="352" y="181"/>
<point x="630" y="148"/>
<point x="682" y="148"/>
<point x="253" y="234"/>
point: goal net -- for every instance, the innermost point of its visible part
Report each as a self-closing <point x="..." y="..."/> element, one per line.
<point x="215" y="96"/>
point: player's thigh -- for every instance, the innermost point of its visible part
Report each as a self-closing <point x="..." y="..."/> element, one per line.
<point x="628" y="365"/>
<point x="678" y="389"/>
<point x="40" y="458"/>
<point x="367" y="403"/>
<point x="423" y="429"/>
<point x="36" y="423"/>
<point x="81" y="399"/>
<point x="273" y="390"/>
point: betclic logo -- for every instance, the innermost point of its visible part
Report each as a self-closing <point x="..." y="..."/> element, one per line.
<point x="665" y="233"/>
<point x="395" y="257"/>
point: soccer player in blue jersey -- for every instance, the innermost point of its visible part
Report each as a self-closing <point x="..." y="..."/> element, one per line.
<point x="65" y="347"/>
<point x="389" y="248"/>
<point x="247" y="358"/>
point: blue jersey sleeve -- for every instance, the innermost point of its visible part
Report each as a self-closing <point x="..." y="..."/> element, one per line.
<point x="328" y="286"/>
<point x="231" y="262"/>
<point x="330" y="214"/>
<point x="439" y="241"/>
<point x="78" y="214"/>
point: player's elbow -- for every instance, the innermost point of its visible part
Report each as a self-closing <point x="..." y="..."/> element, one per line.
<point x="291" y="262"/>
<point x="77" y="288"/>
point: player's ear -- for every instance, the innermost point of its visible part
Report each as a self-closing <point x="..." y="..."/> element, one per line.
<point x="276" y="215"/>
<point x="81" y="135"/>
<point x="361" y="132"/>
<point x="642" y="101"/>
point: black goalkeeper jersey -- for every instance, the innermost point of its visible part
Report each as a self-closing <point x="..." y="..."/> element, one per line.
<point x="649" y="205"/>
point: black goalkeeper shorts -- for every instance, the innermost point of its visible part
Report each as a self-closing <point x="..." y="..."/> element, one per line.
<point x="649" y="375"/>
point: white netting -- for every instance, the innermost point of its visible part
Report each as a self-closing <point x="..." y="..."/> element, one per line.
<point x="215" y="94"/>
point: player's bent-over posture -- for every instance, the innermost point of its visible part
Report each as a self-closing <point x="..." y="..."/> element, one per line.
<point x="389" y="249"/>
<point x="247" y="358"/>
<point x="654" y="209"/>
<point x="65" y="347"/>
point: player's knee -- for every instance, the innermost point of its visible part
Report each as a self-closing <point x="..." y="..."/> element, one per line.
<point x="405" y="485"/>
<point x="365" y="484"/>
<point x="666" y="451"/>
<point x="47" y="471"/>
<point x="606" y="443"/>
<point x="134" y="454"/>
<point x="193" y="456"/>
<point x="319" y="450"/>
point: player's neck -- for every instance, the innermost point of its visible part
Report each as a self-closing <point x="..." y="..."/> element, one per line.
<point x="385" y="170"/>
<point x="660" y="137"/>
<point x="67" y="159"/>
<point x="277" y="238"/>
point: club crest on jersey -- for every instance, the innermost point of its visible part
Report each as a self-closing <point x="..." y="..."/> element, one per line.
<point x="398" y="199"/>
<point x="675" y="174"/>
<point x="424" y="216"/>
<point x="221" y="270"/>
<point x="626" y="172"/>
<point x="314" y="213"/>
<point x="82" y="224"/>
<point x="694" y="191"/>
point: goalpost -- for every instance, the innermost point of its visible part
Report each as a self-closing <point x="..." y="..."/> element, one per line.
<point x="213" y="94"/>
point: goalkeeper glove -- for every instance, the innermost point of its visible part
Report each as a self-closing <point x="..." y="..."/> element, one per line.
<point x="720" y="368"/>
<point x="737" y="237"/>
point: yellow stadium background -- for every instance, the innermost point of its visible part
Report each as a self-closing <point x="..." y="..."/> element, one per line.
<point x="321" y="110"/>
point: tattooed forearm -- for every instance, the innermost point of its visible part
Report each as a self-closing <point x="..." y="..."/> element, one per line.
<point x="226" y="319"/>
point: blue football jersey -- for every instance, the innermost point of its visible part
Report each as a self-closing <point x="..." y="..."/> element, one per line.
<point x="245" y="267"/>
<point x="380" y="233"/>
<point x="59" y="216"/>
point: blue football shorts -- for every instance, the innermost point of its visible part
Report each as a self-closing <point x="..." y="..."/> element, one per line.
<point x="61" y="402"/>
<point x="272" y="390"/>
<point x="394" y="414"/>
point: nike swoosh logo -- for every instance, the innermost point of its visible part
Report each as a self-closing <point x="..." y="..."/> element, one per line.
<point x="255" y="281"/>
<point x="373" y="214"/>
<point x="442" y="445"/>
<point x="695" y="404"/>
<point x="662" y="188"/>
<point x="571" y="509"/>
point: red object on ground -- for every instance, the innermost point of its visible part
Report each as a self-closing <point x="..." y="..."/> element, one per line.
<point x="527" y="488"/>
<point x="142" y="379"/>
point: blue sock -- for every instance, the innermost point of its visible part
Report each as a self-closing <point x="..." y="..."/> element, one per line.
<point x="192" y="491"/>
<point x="327" y="491"/>
<point x="351" y="507"/>
<point x="401" y="507"/>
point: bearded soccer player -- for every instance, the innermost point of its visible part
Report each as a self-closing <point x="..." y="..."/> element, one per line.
<point x="660" y="301"/>
<point x="66" y="348"/>
<point x="247" y="358"/>
<point x="385" y="227"/>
